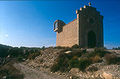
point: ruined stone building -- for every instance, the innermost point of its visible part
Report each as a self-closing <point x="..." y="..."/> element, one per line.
<point x="86" y="30"/>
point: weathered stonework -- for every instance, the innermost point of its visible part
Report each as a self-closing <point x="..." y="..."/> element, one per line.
<point x="68" y="36"/>
<point x="86" y="30"/>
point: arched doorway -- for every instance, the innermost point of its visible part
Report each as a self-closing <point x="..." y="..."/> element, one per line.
<point x="91" y="39"/>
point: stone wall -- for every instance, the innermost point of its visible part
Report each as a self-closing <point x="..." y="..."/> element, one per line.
<point x="86" y="14"/>
<point x="69" y="35"/>
<point x="85" y="31"/>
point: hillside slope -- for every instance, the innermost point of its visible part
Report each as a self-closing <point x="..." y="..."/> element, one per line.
<point x="48" y="57"/>
<point x="62" y="63"/>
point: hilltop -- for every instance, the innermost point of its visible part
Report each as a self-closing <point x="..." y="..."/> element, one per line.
<point x="78" y="63"/>
<point x="61" y="63"/>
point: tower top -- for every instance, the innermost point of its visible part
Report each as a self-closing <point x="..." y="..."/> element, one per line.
<point x="89" y="3"/>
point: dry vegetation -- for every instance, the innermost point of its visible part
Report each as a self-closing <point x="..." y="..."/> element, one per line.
<point x="56" y="59"/>
<point x="81" y="59"/>
<point x="8" y="71"/>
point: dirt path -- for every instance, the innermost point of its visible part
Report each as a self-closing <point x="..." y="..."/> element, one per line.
<point x="35" y="74"/>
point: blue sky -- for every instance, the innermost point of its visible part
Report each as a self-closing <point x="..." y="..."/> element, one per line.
<point x="30" y="23"/>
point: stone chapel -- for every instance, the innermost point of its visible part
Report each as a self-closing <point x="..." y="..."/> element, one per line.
<point x="86" y="30"/>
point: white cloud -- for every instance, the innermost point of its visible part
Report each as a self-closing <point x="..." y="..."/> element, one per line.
<point x="6" y="35"/>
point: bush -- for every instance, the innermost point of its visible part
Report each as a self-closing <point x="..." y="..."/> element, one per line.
<point x="59" y="47"/>
<point x="83" y="63"/>
<point x="10" y="72"/>
<point x="117" y="48"/>
<point x="55" y="68"/>
<point x="77" y="59"/>
<point x="65" y="62"/>
<point x="74" y="63"/>
<point x="20" y="59"/>
<point x="100" y="52"/>
<point x="96" y="59"/>
<point x="61" y="63"/>
<point x="4" y="50"/>
<point x="77" y="53"/>
<point x="75" y="46"/>
<point x="15" y="52"/>
<point x="15" y="76"/>
<point x="112" y="59"/>
<point x="3" y="72"/>
<point x="92" y="69"/>
<point x="74" y="57"/>
<point x="43" y="48"/>
<point x="33" y="55"/>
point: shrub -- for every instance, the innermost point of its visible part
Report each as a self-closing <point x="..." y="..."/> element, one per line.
<point x="100" y="52"/>
<point x="112" y="59"/>
<point x="20" y="59"/>
<point x="10" y="72"/>
<point x="62" y="63"/>
<point x="74" y="63"/>
<point x="91" y="54"/>
<point x="55" y="67"/>
<point x="83" y="63"/>
<point x="74" y="57"/>
<point x="59" y="47"/>
<point x="3" y="72"/>
<point x="15" y="76"/>
<point x="77" y="53"/>
<point x="73" y="53"/>
<point x="65" y="62"/>
<point x="75" y="46"/>
<point x="43" y="48"/>
<point x="96" y="59"/>
<point x="92" y="68"/>
<point x="117" y="48"/>
<point x="33" y="55"/>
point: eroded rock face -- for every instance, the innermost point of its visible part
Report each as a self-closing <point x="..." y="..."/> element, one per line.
<point x="107" y="75"/>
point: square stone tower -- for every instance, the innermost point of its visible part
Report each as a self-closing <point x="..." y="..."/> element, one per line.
<point x="86" y="30"/>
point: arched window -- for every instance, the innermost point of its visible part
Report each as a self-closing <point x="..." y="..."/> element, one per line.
<point x="56" y="26"/>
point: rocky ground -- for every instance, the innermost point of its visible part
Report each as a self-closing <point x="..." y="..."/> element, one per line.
<point x="39" y="68"/>
<point x="34" y="73"/>
<point x="35" y="63"/>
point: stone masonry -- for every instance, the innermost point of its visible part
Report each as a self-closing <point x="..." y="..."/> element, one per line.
<point x="86" y="30"/>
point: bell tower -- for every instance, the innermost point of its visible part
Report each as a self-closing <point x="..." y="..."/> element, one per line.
<point x="90" y="23"/>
